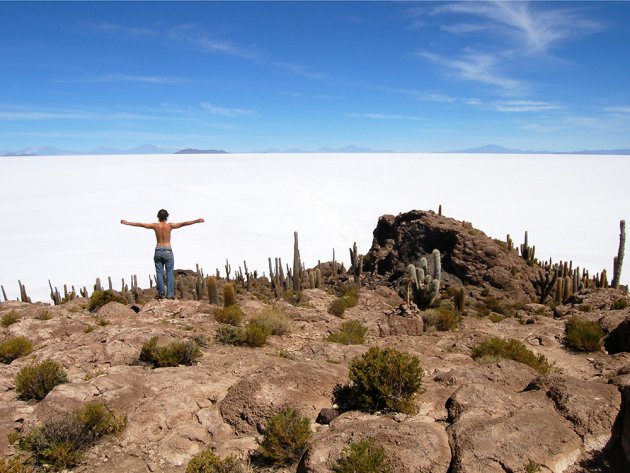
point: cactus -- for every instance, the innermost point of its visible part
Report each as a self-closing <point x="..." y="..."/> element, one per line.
<point x="4" y="294"/>
<point x="213" y="296"/>
<point x="54" y="294"/>
<point x="460" y="300"/>
<point x="229" y="294"/>
<point x="228" y="269"/>
<point x="357" y="264"/>
<point x="527" y="252"/>
<point x="544" y="284"/>
<point x="618" y="260"/>
<point x="318" y="279"/>
<point x="297" y="264"/>
<point x="425" y="288"/>
<point x="97" y="285"/>
<point x="23" y="295"/>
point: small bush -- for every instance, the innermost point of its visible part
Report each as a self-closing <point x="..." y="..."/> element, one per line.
<point x="585" y="308"/>
<point x="209" y="462"/>
<point x="231" y="314"/>
<point x="582" y="334"/>
<point x="35" y="381"/>
<point x="385" y="379"/>
<point x="337" y="307"/>
<point x="228" y="335"/>
<point x="14" y="348"/>
<point x="620" y="304"/>
<point x="100" y="298"/>
<point x="443" y="319"/>
<point x="296" y="298"/>
<point x="60" y="441"/>
<point x="286" y="437"/>
<point x="254" y="334"/>
<point x="276" y="321"/>
<point x="352" y="333"/>
<point x="495" y="348"/>
<point x="349" y="298"/>
<point x="9" y="318"/>
<point x="43" y="315"/>
<point x="363" y="457"/>
<point x="16" y="464"/>
<point x="173" y="354"/>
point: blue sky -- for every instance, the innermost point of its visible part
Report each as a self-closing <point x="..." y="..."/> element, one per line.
<point x="252" y="76"/>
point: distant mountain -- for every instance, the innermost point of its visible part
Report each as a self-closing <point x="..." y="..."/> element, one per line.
<point x="345" y="149"/>
<point x="101" y="150"/>
<point x="495" y="149"/>
<point x="201" y="151"/>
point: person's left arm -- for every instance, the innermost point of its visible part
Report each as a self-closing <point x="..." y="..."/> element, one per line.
<point x="189" y="222"/>
<point x="137" y="224"/>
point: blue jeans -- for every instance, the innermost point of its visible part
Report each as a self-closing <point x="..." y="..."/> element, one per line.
<point x="164" y="260"/>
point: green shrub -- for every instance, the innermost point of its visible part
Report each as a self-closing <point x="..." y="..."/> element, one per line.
<point x="582" y="334"/>
<point x="100" y="298"/>
<point x="173" y="354"/>
<point x="620" y="304"/>
<point x="352" y="333"/>
<point x="286" y="437"/>
<point x="385" y="379"/>
<point x="443" y="319"/>
<point x="337" y="307"/>
<point x="209" y="462"/>
<point x="60" y="441"/>
<point x="35" y="381"/>
<point x="231" y="314"/>
<point x="275" y="320"/>
<point x="16" y="464"/>
<point x="349" y="298"/>
<point x="363" y="457"/>
<point x="254" y="334"/>
<point x="14" y="348"/>
<point x="9" y="318"/>
<point x="228" y="335"/>
<point x="43" y="315"/>
<point x="585" y="308"/>
<point x="495" y="348"/>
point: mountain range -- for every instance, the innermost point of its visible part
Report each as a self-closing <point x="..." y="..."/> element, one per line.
<point x="152" y="149"/>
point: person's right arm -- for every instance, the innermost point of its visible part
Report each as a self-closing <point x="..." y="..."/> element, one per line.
<point x="137" y="224"/>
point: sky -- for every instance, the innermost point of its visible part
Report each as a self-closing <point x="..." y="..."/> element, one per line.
<point x="256" y="76"/>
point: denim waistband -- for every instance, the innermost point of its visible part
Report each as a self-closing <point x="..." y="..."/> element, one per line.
<point x="168" y="248"/>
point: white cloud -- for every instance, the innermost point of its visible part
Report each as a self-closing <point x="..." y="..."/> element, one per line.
<point x="12" y="112"/>
<point x="477" y="67"/>
<point x="227" y="112"/>
<point x="144" y="79"/>
<point x="525" y="106"/>
<point x="383" y="116"/>
<point x="299" y="70"/>
<point x="623" y="109"/>
<point x="531" y="27"/>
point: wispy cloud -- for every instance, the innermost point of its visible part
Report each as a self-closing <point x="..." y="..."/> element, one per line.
<point x="520" y="106"/>
<point x="11" y="112"/>
<point x="623" y="109"/>
<point x="227" y="112"/>
<point x="299" y="70"/>
<point x="383" y="116"/>
<point x="478" y="67"/>
<point x="143" y="79"/>
<point x="531" y="27"/>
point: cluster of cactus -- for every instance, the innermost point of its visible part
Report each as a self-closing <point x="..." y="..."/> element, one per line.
<point x="527" y="252"/>
<point x="56" y="296"/>
<point x="23" y="295"/>
<point x="425" y="287"/>
<point x="279" y="283"/>
<point x="315" y="278"/>
<point x="357" y="264"/>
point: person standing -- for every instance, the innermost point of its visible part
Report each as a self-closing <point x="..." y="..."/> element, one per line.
<point x="163" y="257"/>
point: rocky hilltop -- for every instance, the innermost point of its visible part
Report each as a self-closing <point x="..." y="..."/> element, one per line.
<point x="471" y="413"/>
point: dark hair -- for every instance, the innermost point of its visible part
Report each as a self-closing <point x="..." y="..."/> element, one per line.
<point x="162" y="215"/>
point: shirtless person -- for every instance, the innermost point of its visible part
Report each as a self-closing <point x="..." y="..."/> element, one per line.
<point x="163" y="252"/>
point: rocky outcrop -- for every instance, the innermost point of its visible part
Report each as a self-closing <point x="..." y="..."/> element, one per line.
<point x="468" y="255"/>
<point x="412" y="445"/>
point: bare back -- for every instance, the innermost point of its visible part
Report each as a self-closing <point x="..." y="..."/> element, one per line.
<point x="163" y="234"/>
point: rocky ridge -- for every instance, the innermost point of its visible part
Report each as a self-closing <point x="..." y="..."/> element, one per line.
<point x="496" y="417"/>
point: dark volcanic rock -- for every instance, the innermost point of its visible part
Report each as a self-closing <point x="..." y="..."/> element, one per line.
<point x="468" y="255"/>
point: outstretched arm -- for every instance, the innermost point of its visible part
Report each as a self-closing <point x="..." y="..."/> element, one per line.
<point x="189" y="222"/>
<point x="137" y="224"/>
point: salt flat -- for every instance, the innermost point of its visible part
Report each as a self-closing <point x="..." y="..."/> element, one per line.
<point x="60" y="215"/>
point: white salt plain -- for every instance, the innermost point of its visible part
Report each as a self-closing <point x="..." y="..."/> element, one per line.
<point x="60" y="215"/>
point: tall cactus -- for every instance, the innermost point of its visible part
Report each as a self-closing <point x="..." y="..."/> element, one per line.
<point x="297" y="264"/>
<point x="357" y="264"/>
<point x="618" y="260"/>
